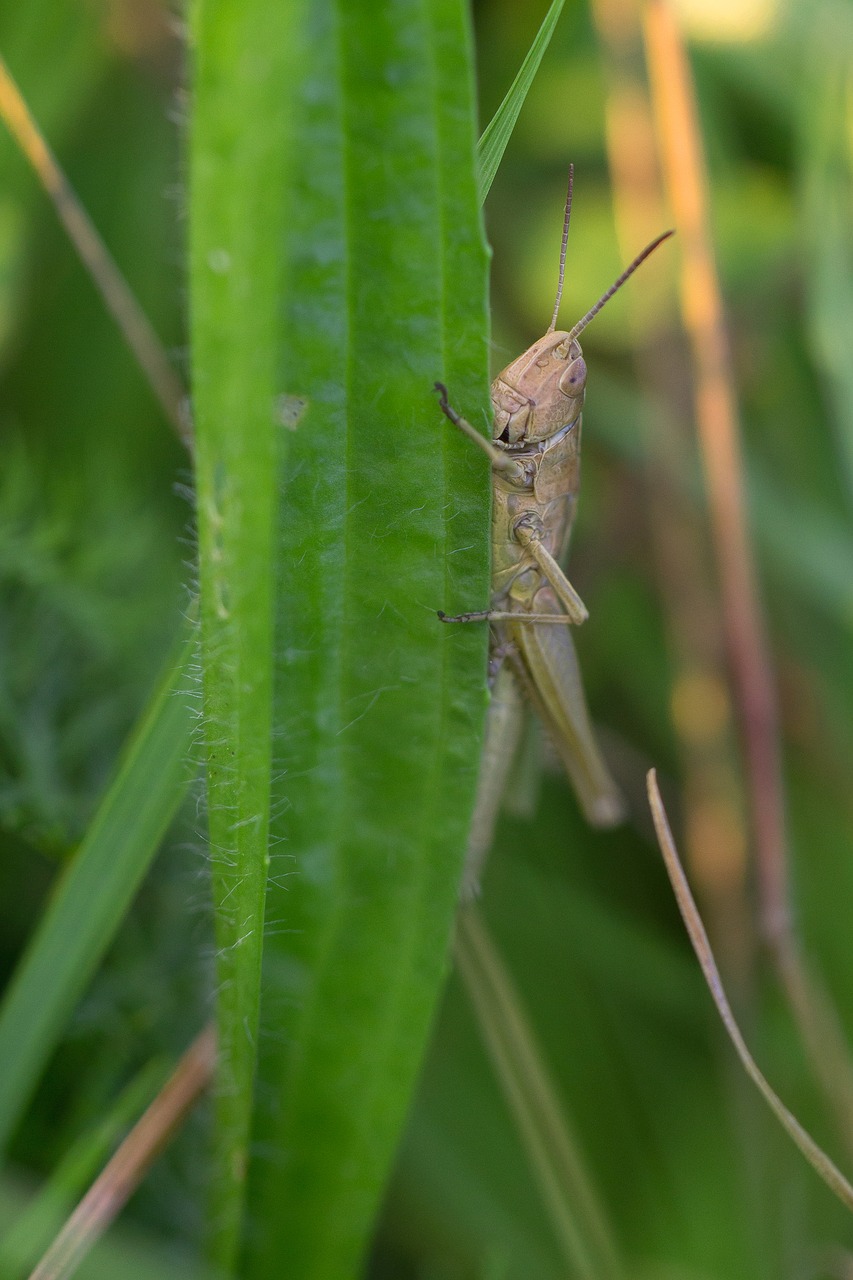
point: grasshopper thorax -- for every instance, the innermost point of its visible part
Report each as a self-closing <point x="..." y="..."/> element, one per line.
<point x="541" y="393"/>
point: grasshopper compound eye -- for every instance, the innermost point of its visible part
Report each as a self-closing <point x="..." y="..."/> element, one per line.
<point x="573" y="379"/>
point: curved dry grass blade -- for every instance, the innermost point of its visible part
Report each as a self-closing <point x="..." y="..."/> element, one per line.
<point x="818" y="1159"/>
<point x="111" y="284"/>
<point x="123" y="1173"/>
<point x="578" y="1220"/>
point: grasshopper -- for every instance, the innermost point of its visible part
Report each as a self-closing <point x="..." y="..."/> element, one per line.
<point x="535" y="457"/>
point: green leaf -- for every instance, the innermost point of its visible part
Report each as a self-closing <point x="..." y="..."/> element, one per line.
<point x="245" y="74"/>
<point x="354" y="277"/>
<point x="499" y="129"/>
<point x="95" y="891"/>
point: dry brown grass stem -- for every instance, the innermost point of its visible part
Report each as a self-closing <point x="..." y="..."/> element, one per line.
<point x="817" y="1158"/>
<point x="701" y="706"/>
<point x="719" y="437"/>
<point x="123" y="1173"/>
<point x="117" y="295"/>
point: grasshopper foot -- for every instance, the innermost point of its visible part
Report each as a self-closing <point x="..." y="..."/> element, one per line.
<point x="445" y="405"/>
<point x="481" y="615"/>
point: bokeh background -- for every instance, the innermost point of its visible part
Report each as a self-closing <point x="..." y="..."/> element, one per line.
<point x="96" y="556"/>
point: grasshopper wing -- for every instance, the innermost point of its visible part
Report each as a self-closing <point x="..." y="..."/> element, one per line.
<point x="547" y="665"/>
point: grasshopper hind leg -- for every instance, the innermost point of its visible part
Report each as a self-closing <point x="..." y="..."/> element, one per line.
<point x="504" y="724"/>
<point x="547" y="667"/>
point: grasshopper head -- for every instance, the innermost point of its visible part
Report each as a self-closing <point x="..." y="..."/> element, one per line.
<point x="541" y="392"/>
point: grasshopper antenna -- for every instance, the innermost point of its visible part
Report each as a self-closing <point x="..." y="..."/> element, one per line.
<point x="566" y="220"/>
<point x="614" y="288"/>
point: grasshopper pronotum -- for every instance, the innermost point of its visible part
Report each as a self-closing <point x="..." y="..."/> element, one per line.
<point x="535" y="456"/>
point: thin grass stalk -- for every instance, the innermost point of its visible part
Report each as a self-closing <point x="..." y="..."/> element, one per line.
<point x="718" y="426"/>
<point x="123" y="1173"/>
<point x="580" y="1224"/>
<point x="717" y="421"/>
<point x="817" y="1158"/>
<point x="701" y="709"/>
<point x="118" y="297"/>
<point x="701" y="706"/>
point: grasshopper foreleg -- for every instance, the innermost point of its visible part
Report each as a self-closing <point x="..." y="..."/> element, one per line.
<point x="498" y="459"/>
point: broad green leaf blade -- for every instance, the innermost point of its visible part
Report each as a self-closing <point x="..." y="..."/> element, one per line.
<point x="245" y="72"/>
<point x="498" y="131"/>
<point x="384" y="519"/>
<point x="94" y="893"/>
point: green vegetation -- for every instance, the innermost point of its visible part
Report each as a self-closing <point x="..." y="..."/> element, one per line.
<point x="307" y="242"/>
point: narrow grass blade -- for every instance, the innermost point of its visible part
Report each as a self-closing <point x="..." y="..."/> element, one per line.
<point x="94" y="893"/>
<point x="818" y="1159"/>
<point x="498" y="131"/>
<point x="577" y="1218"/>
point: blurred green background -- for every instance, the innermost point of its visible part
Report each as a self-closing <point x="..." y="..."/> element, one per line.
<point x="96" y="560"/>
